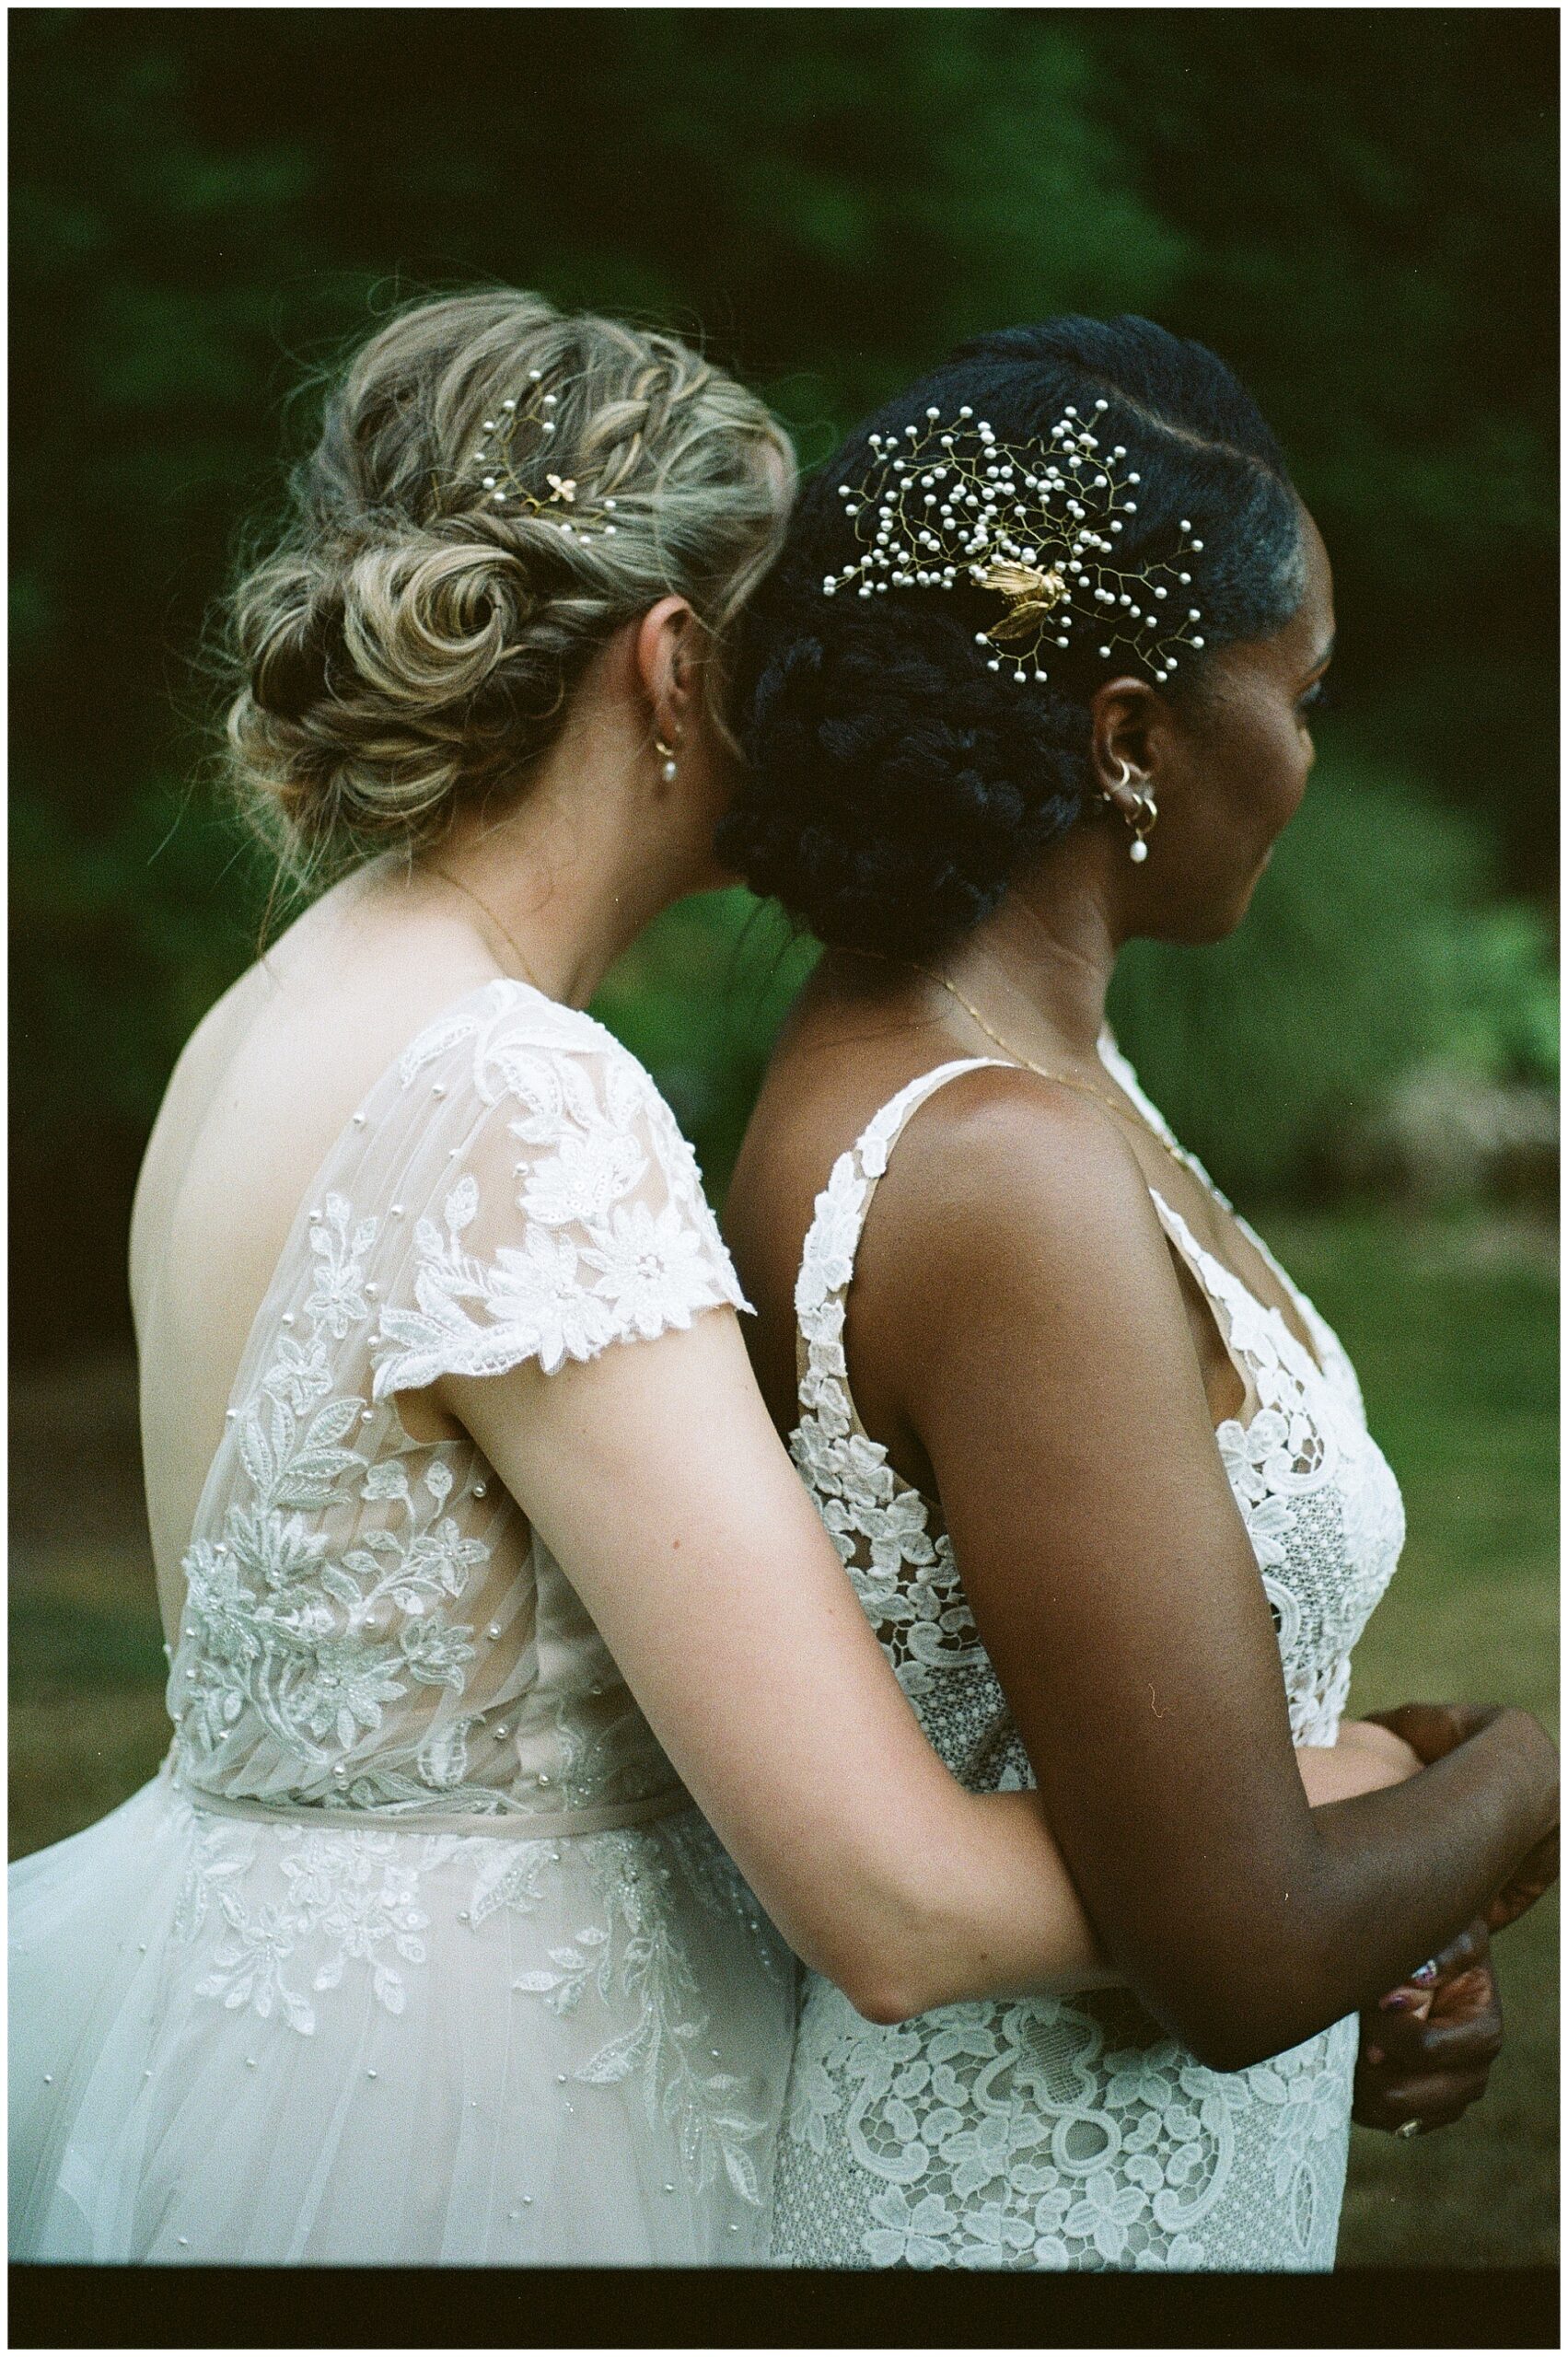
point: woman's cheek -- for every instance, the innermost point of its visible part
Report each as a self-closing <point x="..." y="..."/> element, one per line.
<point x="1295" y="757"/>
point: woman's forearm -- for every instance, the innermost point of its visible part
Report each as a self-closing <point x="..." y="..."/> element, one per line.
<point x="1447" y="1841"/>
<point x="1381" y="1881"/>
<point x="1365" y="1759"/>
<point x="1008" y="1922"/>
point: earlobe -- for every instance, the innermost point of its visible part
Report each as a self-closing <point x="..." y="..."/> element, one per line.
<point x="1136" y="804"/>
<point x="1130" y="791"/>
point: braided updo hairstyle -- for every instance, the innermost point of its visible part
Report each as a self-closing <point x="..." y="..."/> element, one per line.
<point x="896" y="784"/>
<point x="411" y="644"/>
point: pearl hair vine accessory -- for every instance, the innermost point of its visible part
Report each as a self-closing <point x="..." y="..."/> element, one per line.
<point x="498" y="455"/>
<point x="942" y="506"/>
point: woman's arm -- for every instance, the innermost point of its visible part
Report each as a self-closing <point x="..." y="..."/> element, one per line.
<point x="653" y="1474"/>
<point x="1047" y="1370"/>
<point x="1007" y="1941"/>
<point x="658" y="1483"/>
<point x="1367" y="1757"/>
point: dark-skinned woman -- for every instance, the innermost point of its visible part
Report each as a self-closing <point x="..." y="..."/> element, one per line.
<point x="1034" y="678"/>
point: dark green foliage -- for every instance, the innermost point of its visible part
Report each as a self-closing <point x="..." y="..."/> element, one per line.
<point x="1369" y="946"/>
<point x="1354" y="207"/>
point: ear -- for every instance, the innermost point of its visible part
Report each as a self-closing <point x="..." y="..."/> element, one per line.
<point x="1130" y="738"/>
<point x="666" y="658"/>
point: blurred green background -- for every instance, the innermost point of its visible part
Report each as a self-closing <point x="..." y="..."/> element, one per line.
<point x="1355" y="207"/>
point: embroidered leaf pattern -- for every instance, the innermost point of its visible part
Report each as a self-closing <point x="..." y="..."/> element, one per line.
<point x="637" y="1960"/>
<point x="362" y="1632"/>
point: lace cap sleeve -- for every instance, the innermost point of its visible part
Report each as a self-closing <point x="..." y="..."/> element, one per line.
<point x="569" y="1216"/>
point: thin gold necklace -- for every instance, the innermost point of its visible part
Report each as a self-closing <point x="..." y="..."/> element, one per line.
<point x="486" y="909"/>
<point x="1086" y="1087"/>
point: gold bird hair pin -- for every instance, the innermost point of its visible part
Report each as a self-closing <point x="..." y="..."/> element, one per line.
<point x="942" y="506"/>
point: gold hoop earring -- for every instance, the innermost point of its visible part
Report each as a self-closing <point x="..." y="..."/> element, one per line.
<point x="669" y="771"/>
<point x="1104" y="793"/>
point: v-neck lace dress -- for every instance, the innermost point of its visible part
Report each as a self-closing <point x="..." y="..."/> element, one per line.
<point x="1074" y="2134"/>
<point x="417" y="1949"/>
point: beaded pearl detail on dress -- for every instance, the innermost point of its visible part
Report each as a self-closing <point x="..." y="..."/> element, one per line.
<point x="417" y="1951"/>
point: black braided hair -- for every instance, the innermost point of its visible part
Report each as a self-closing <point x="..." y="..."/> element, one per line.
<point x="895" y="785"/>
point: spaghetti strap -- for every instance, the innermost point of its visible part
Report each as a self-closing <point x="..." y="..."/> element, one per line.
<point x="832" y="1240"/>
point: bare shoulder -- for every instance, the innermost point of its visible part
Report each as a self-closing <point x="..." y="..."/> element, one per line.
<point x="197" y="1073"/>
<point x="1019" y="1281"/>
<point x="1002" y="1166"/>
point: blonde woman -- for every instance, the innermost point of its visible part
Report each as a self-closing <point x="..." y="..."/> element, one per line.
<point x="489" y="1643"/>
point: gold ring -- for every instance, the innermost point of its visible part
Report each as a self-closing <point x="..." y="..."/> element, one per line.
<point x="1407" y="2128"/>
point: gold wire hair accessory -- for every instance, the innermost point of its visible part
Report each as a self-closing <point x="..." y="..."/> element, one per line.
<point x="944" y="507"/>
<point x="499" y="455"/>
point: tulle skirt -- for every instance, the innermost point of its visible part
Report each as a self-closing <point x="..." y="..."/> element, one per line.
<point x="254" y="2043"/>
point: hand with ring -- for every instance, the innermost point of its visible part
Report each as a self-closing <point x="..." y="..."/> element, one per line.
<point x="1428" y="2046"/>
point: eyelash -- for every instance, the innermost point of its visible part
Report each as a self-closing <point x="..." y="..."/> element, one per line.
<point x="1317" y="699"/>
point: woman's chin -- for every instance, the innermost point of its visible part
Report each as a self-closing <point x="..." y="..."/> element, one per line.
<point x="1211" y="920"/>
<point x="1243" y="901"/>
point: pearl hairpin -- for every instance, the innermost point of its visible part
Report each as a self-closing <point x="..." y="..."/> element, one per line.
<point x="559" y="503"/>
<point x="940" y="508"/>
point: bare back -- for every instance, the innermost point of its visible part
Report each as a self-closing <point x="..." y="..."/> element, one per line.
<point x="264" y="1087"/>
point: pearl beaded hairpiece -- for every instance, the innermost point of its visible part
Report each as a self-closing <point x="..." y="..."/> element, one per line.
<point x="506" y="488"/>
<point x="939" y="508"/>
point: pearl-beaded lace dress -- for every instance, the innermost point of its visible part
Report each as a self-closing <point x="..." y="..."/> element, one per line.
<point x="1074" y="2134"/>
<point x="417" y="1949"/>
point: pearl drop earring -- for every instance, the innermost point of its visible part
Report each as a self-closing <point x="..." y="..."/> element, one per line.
<point x="669" y="772"/>
<point x="1143" y="825"/>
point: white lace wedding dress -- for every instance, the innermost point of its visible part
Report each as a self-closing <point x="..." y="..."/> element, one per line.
<point x="1073" y="2134"/>
<point x="415" y="1950"/>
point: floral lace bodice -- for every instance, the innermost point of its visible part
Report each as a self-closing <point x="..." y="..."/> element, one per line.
<point x="369" y="1622"/>
<point x="1062" y="2133"/>
<point x="466" y="1861"/>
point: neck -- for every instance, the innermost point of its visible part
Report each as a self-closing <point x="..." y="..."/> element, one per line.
<point x="1044" y="959"/>
<point x="563" y="880"/>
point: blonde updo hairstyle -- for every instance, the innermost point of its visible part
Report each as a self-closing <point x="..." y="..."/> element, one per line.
<point x="410" y="648"/>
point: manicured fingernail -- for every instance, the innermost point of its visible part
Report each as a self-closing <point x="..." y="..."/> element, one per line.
<point x="1396" y="2002"/>
<point x="1374" y="2056"/>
